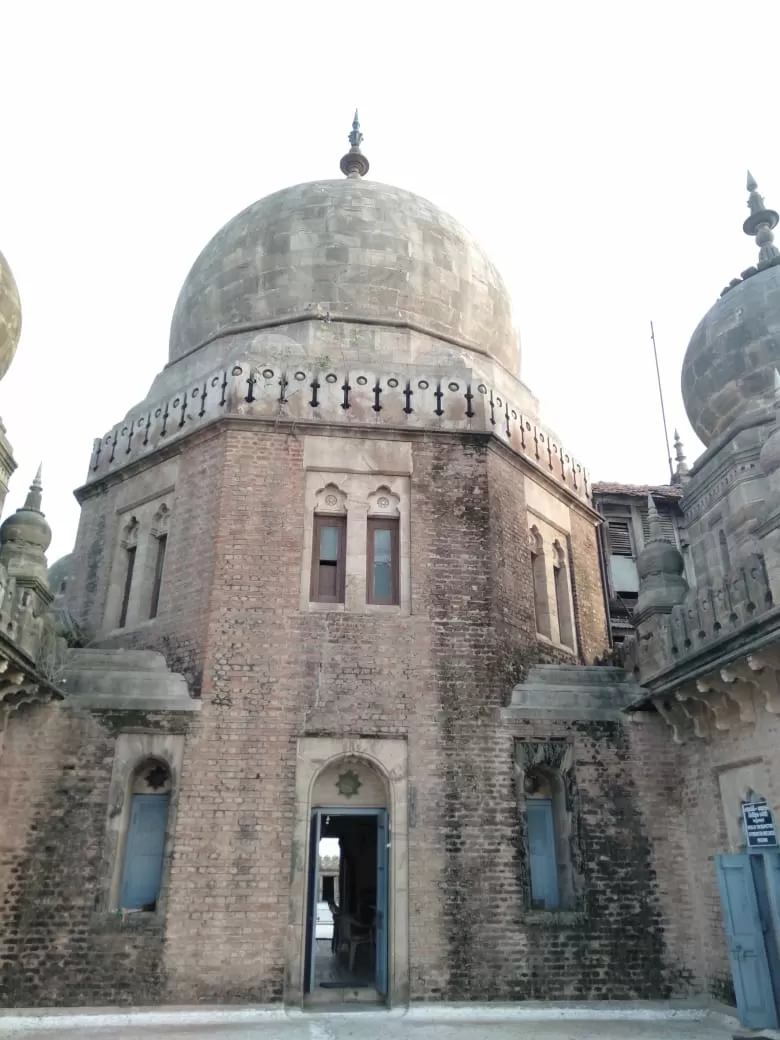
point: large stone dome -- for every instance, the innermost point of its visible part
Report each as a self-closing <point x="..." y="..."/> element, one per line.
<point x="354" y="249"/>
<point x="10" y="316"/>
<point x="729" y="365"/>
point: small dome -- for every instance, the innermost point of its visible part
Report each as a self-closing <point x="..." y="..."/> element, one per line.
<point x="729" y="364"/>
<point x="660" y="567"/>
<point x="355" y="249"/>
<point x="10" y="316"/>
<point x="25" y="536"/>
<point x="58" y="574"/>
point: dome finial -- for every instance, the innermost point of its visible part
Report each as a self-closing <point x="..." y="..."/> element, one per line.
<point x="760" y="222"/>
<point x="681" y="474"/>
<point x="35" y="494"/>
<point x="354" y="163"/>
<point x="654" y="522"/>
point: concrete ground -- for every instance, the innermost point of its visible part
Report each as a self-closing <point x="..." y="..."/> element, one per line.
<point x="426" y="1024"/>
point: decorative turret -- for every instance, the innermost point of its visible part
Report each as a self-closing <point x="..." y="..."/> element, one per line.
<point x="660" y="566"/>
<point x="760" y="223"/>
<point x="681" y="473"/>
<point x="24" y="593"/>
<point x="354" y="163"/>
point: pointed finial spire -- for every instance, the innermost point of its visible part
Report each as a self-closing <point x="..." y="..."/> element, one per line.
<point x="760" y="222"/>
<point x="35" y="494"/>
<point x="681" y="474"/>
<point x="355" y="138"/>
<point x="654" y="522"/>
<point x="354" y="163"/>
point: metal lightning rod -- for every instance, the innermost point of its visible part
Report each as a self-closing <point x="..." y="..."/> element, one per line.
<point x="663" y="410"/>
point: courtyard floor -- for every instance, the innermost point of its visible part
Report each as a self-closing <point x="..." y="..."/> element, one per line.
<point x="456" y="1024"/>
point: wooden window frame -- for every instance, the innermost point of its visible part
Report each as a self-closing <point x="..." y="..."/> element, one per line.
<point x="383" y="523"/>
<point x="159" y="566"/>
<point x="340" y="522"/>
<point x="548" y="881"/>
<point x="629" y="548"/>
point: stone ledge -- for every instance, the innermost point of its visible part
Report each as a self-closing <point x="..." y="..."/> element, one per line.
<point x="589" y="693"/>
<point x="121" y="680"/>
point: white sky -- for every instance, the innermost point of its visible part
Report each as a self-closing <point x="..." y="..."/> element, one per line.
<point x="597" y="150"/>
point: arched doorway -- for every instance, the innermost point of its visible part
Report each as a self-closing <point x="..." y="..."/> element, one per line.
<point x="350" y="867"/>
<point x="347" y="922"/>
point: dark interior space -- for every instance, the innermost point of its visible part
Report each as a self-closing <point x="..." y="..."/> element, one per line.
<point x="348" y="957"/>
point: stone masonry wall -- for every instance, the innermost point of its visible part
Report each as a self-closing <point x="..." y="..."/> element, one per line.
<point x="179" y="629"/>
<point x="588" y="590"/>
<point x="681" y="802"/>
<point x="702" y="763"/>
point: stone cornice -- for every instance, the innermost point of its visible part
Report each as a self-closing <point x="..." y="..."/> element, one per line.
<point x="360" y="401"/>
<point x="764" y="631"/>
<point x="730" y="470"/>
<point x="214" y="429"/>
<point x="761" y="416"/>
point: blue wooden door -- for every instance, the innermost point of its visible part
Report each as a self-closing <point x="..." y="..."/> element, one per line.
<point x="772" y="861"/>
<point x="311" y="904"/>
<point x="745" y="939"/>
<point x="382" y="845"/>
<point x="541" y="851"/>
<point x="144" y="851"/>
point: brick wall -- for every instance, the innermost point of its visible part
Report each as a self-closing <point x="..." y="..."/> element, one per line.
<point x="55" y="769"/>
<point x="179" y="629"/>
<point x="268" y="673"/>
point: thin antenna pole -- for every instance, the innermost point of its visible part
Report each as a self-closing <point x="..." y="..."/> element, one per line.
<point x="663" y="410"/>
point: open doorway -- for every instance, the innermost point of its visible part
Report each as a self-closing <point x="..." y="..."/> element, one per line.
<point x="346" y="935"/>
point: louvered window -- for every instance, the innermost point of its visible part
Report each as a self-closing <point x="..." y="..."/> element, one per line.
<point x="622" y="561"/>
<point x="619" y="538"/>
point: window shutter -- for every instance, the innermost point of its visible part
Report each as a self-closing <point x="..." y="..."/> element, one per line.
<point x="619" y="538"/>
<point x="667" y="524"/>
<point x="541" y="850"/>
<point x="144" y="851"/>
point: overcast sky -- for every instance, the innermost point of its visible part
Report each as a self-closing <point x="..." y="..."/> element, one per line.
<point x="598" y="152"/>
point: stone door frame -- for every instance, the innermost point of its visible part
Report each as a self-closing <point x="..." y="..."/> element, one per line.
<point x="389" y="758"/>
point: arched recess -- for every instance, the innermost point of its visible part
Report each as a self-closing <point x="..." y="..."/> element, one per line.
<point x="546" y="798"/>
<point x="135" y="753"/>
<point x="539" y="577"/>
<point x="352" y="774"/>
<point x="145" y="834"/>
<point x="563" y="599"/>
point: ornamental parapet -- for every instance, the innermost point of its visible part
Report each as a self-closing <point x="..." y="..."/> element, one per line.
<point x="707" y="616"/>
<point x="357" y="397"/>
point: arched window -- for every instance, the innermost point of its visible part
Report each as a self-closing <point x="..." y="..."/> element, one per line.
<point x="383" y="547"/>
<point x="150" y="795"/>
<point x="725" y="562"/>
<point x="562" y="596"/>
<point x="549" y="846"/>
<point x="160" y="525"/>
<point x="539" y="576"/>
<point x="130" y="547"/>
<point x="329" y="546"/>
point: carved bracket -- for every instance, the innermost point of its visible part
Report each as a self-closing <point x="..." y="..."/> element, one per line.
<point x="675" y="715"/>
<point x="764" y="666"/>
